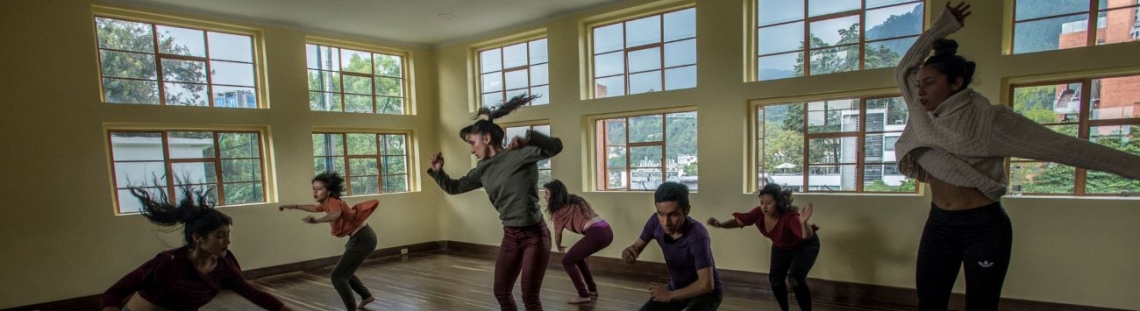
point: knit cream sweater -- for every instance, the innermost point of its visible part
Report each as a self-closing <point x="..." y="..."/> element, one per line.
<point x="964" y="141"/>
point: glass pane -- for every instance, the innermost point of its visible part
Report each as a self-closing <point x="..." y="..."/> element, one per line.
<point x="1049" y="103"/>
<point x="322" y="57"/>
<point x="885" y="177"/>
<point x="491" y="60"/>
<point x="324" y="81"/>
<point x="780" y="66"/>
<point x="514" y="56"/>
<point x="645" y="129"/>
<point x="1120" y="138"/>
<point x="832" y="116"/>
<point x="681" y="53"/>
<point x="135" y="174"/>
<point x="615" y="178"/>
<point x="241" y="193"/>
<point x="873" y="148"/>
<point x="778" y="11"/>
<point x="493" y="99"/>
<point x="609" y="64"/>
<point x="645" y="167"/>
<point x="513" y="93"/>
<point x="396" y="183"/>
<point x="329" y="164"/>
<point x="134" y="146"/>
<point x="1116" y="98"/>
<point x="612" y="86"/>
<point x="513" y="132"/>
<point x="127" y="65"/>
<point x="517" y="79"/>
<point x="615" y="132"/>
<point x="358" y="103"/>
<point x="680" y="24"/>
<point x="681" y="148"/>
<point x="894" y="111"/>
<point x="642" y="60"/>
<point x="389" y="86"/>
<point x="1042" y="178"/>
<point x="833" y="150"/>
<point x="235" y="97"/>
<point x="543" y="93"/>
<point x="881" y="3"/>
<point x="1117" y="26"/>
<point x="395" y="165"/>
<point x="492" y="82"/>
<point x="823" y="7"/>
<point x="781" y="38"/>
<point x="130" y="91"/>
<point x="1050" y="34"/>
<point x="357" y="85"/>
<point x="364" y="185"/>
<point x="324" y="101"/>
<point x="828" y="178"/>
<point x="681" y="78"/>
<point x="241" y="170"/>
<point x="544" y="129"/>
<point x="395" y="145"/>
<point x="124" y="35"/>
<point x="389" y="105"/>
<point x="538" y="51"/>
<point x="643" y="31"/>
<point x="211" y="194"/>
<point x="782" y="145"/>
<point x="645" y="82"/>
<point x="194" y="173"/>
<point x="180" y="94"/>
<point x="356" y="61"/>
<point x="539" y="75"/>
<point x="388" y="65"/>
<point x="190" y="145"/>
<point x="362" y="167"/>
<point x="129" y="204"/>
<point x="361" y="144"/>
<point x="835" y="31"/>
<point x="239" y="145"/>
<point x="832" y="60"/>
<point x="615" y="157"/>
<point x="1028" y="9"/>
<point x="886" y="54"/>
<point x="225" y="46"/>
<point x="608" y="38"/>
<point x="545" y="176"/>
<point x="229" y="73"/>
<point x="174" y="70"/>
<point x="895" y="21"/>
<point x="181" y="41"/>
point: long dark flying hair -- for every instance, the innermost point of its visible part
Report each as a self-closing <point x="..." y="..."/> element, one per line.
<point x="488" y="126"/>
<point x="194" y="211"/>
<point x="561" y="198"/>
<point x="947" y="61"/>
<point x="783" y="197"/>
<point x="333" y="183"/>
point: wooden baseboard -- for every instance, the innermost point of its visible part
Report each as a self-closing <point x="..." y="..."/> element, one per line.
<point x="739" y="283"/>
<point x="746" y="283"/>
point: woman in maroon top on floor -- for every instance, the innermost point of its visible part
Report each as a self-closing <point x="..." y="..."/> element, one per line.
<point x="569" y="211"/>
<point x="188" y="277"/>
<point x="794" y="242"/>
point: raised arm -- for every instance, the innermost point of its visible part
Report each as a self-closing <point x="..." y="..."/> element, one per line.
<point x="537" y="146"/>
<point x="947" y="23"/>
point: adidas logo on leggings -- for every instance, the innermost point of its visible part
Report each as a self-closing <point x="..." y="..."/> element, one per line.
<point x="985" y="264"/>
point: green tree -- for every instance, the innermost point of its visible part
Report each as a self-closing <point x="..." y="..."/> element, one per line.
<point x="128" y="51"/>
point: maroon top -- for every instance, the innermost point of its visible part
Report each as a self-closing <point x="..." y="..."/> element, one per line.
<point x="171" y="281"/>
<point x="787" y="232"/>
<point x="573" y="217"/>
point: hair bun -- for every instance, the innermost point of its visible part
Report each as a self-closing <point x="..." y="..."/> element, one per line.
<point x="946" y="47"/>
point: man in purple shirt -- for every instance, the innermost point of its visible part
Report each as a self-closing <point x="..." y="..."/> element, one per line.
<point x="693" y="281"/>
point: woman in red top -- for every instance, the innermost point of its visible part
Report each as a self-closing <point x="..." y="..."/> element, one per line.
<point x="188" y="277"/>
<point x="345" y="221"/>
<point x="568" y="211"/>
<point x="794" y="242"/>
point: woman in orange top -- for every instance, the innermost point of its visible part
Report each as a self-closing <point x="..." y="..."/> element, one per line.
<point x="569" y="211"/>
<point x="345" y="221"/>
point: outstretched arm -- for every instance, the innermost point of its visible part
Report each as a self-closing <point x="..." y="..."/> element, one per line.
<point x="452" y="186"/>
<point x="304" y="207"/>
<point x="731" y="223"/>
<point x="949" y="22"/>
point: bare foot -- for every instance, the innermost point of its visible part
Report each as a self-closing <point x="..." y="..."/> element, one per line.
<point x="365" y="301"/>
<point x="577" y="300"/>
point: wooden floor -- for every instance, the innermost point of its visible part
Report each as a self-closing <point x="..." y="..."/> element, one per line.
<point x="438" y="281"/>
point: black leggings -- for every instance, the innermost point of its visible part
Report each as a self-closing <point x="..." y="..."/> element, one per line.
<point x="794" y="265"/>
<point x="979" y="239"/>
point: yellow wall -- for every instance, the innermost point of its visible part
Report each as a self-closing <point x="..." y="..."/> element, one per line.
<point x="1076" y="251"/>
<point x="61" y="239"/>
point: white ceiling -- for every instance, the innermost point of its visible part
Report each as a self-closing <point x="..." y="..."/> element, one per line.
<point x="412" y="22"/>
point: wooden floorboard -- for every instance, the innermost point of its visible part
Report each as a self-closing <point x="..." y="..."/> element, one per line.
<point x="444" y="282"/>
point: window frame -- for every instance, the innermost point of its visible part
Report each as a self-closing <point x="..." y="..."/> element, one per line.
<point x="527" y="40"/>
<point x="1092" y="15"/>
<point x="380" y="155"/>
<point x="405" y="77"/>
<point x="591" y="78"/>
<point x="600" y="136"/>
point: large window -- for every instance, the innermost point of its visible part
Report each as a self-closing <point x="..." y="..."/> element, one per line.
<point x="228" y="163"/>
<point x="638" y="153"/>
<point x="649" y="54"/>
<point x="347" y="80"/>
<point x="836" y="145"/>
<point x="155" y="64"/>
<point x="840" y="35"/>
<point x="1046" y="25"/>
<point x="544" y="175"/>
<point x="369" y="162"/>
<point x="1102" y="110"/>
<point x="505" y="72"/>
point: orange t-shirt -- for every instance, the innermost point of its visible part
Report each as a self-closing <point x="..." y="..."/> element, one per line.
<point x="350" y="218"/>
